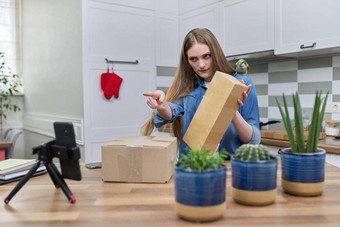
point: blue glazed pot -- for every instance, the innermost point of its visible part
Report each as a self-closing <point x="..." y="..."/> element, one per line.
<point x="254" y="182"/>
<point x="303" y="174"/>
<point x="200" y="196"/>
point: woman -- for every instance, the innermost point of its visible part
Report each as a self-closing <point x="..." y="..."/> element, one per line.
<point x="201" y="57"/>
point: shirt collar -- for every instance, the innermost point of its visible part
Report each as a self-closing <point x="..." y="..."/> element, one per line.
<point x="200" y="83"/>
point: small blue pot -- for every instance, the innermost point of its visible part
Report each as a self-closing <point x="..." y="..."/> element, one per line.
<point x="254" y="182"/>
<point x="303" y="174"/>
<point x="200" y="196"/>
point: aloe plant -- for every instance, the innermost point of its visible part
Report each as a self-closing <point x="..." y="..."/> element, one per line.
<point x="297" y="143"/>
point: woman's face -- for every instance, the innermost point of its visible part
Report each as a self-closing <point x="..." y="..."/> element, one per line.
<point x="200" y="60"/>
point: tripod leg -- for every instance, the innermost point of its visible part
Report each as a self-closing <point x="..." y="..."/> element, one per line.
<point x="52" y="177"/>
<point x="56" y="177"/>
<point x="22" y="182"/>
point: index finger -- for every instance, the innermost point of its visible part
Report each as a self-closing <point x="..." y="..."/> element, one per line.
<point x="148" y="94"/>
<point x="153" y="95"/>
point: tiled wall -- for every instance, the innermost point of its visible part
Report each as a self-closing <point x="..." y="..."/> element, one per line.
<point x="164" y="77"/>
<point x="305" y="76"/>
<point x="272" y="79"/>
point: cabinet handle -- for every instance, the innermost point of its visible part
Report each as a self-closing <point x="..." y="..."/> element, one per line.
<point x="121" y="62"/>
<point x="304" y="47"/>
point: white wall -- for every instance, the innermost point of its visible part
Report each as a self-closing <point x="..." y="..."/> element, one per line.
<point x="10" y="45"/>
<point x="52" y="65"/>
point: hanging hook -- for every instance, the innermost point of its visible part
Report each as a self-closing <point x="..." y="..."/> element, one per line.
<point x="108" y="67"/>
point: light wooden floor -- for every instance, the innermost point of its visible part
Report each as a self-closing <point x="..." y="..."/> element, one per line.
<point x="38" y="203"/>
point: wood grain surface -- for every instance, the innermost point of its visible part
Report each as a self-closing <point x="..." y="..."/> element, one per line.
<point x="5" y="144"/>
<point x="281" y="134"/>
<point x="329" y="143"/>
<point x="38" y="203"/>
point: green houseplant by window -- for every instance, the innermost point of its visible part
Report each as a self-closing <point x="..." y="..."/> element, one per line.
<point x="303" y="164"/>
<point x="200" y="181"/>
<point x="9" y="85"/>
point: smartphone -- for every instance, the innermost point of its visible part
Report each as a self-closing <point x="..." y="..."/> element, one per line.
<point x="65" y="137"/>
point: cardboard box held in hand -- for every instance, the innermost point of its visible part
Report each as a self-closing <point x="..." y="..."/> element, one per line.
<point x="139" y="159"/>
<point x="215" y="112"/>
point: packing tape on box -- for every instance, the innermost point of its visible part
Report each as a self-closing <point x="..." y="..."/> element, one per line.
<point x="135" y="173"/>
<point x="139" y="141"/>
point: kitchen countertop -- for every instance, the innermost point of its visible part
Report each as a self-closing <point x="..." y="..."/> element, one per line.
<point x="38" y="203"/>
<point x="330" y="144"/>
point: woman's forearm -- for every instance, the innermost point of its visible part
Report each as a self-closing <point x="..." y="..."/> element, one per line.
<point x="244" y="130"/>
<point x="165" y="112"/>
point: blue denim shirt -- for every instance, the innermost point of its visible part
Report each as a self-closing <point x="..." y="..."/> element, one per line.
<point x="188" y="105"/>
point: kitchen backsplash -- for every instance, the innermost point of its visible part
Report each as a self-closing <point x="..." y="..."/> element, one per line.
<point x="288" y="76"/>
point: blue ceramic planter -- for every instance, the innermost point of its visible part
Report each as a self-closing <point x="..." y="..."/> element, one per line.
<point x="303" y="173"/>
<point x="200" y="196"/>
<point x="254" y="183"/>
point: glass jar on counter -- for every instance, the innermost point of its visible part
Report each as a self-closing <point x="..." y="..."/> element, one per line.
<point x="332" y="128"/>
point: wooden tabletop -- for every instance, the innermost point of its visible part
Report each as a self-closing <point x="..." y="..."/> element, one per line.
<point x="5" y="144"/>
<point x="330" y="144"/>
<point x="38" y="203"/>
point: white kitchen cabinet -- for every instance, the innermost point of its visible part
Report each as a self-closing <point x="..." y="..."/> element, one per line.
<point x="167" y="39"/>
<point x="167" y="33"/>
<point x="206" y="17"/>
<point x="167" y="6"/>
<point x="143" y="4"/>
<point x="307" y="27"/>
<point x="333" y="159"/>
<point x="118" y="33"/>
<point x="186" y="6"/>
<point x="247" y="26"/>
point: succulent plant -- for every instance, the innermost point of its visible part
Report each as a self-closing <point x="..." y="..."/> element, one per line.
<point x="202" y="159"/>
<point x="252" y="152"/>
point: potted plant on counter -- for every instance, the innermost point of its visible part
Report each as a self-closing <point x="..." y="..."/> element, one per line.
<point x="303" y="164"/>
<point x="254" y="173"/>
<point x="200" y="185"/>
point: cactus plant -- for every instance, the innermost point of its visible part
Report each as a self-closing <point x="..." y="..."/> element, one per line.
<point x="254" y="175"/>
<point x="252" y="152"/>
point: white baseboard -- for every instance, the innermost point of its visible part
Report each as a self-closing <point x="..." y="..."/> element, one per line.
<point x="43" y="124"/>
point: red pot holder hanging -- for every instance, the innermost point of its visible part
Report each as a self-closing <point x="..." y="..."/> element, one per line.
<point x="110" y="84"/>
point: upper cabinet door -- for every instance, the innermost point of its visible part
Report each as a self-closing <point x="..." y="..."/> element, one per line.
<point x="120" y="33"/>
<point x="166" y="6"/>
<point x="167" y="30"/>
<point x="190" y="5"/>
<point x="143" y="4"/>
<point x="167" y="43"/>
<point x="305" y="25"/>
<point x="206" y="17"/>
<point x="247" y="25"/>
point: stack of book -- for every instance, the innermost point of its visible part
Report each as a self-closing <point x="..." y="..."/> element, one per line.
<point x="15" y="169"/>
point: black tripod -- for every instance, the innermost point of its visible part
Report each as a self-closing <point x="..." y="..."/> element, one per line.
<point x="46" y="153"/>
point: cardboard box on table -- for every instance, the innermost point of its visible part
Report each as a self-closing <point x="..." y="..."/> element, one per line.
<point x="215" y="112"/>
<point x="139" y="159"/>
